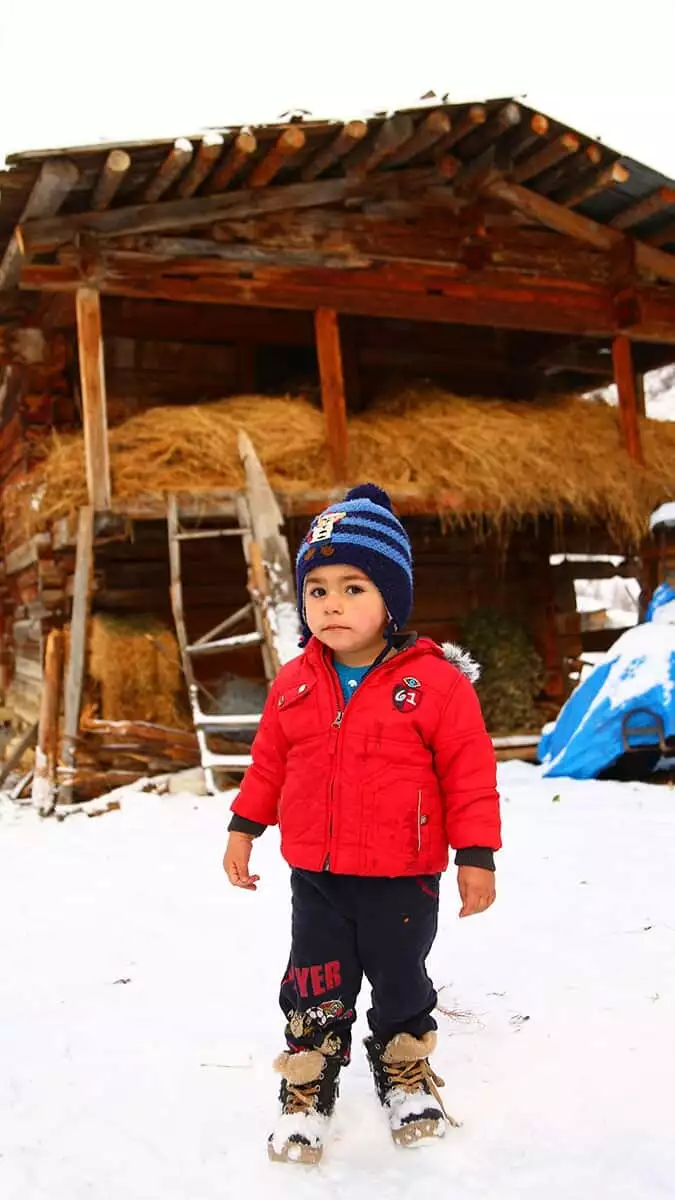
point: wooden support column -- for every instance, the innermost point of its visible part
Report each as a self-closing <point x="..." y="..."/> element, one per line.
<point x="78" y="641"/>
<point x="46" y="751"/>
<point x="94" y="411"/>
<point x="624" y="377"/>
<point x="332" y="389"/>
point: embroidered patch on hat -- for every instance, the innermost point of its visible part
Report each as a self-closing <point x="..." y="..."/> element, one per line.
<point x="405" y="697"/>
<point x="309" y="554"/>
<point x="323" y="529"/>
<point x="411" y="682"/>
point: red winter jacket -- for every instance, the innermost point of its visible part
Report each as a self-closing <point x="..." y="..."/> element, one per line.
<point x="383" y="786"/>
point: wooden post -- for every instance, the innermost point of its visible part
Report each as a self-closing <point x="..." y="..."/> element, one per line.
<point x="46" y="751"/>
<point x="92" y="378"/>
<point x="332" y="389"/>
<point x="78" y="640"/>
<point x="624" y="377"/>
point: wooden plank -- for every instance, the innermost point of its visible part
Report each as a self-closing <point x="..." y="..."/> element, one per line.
<point x="202" y="164"/>
<point x="174" y="164"/>
<point x="26" y="554"/>
<point x="55" y="181"/>
<point x="27" y="668"/>
<point x="113" y="174"/>
<point x="333" y="398"/>
<point x="44" y="236"/>
<point x="94" y="408"/>
<point x="345" y="141"/>
<point x="547" y="156"/>
<point x="279" y="612"/>
<point x="641" y="210"/>
<point x="78" y="637"/>
<point x="29" y="739"/>
<point x="236" y="158"/>
<point x="475" y="116"/>
<point x="624" y="377"/>
<point x="46" y="752"/>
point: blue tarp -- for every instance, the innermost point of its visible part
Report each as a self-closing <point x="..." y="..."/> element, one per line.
<point x="663" y="596"/>
<point x="638" y="673"/>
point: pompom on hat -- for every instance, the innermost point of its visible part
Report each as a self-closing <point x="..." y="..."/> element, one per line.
<point x="361" y="531"/>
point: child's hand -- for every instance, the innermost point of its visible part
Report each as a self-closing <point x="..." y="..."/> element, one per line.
<point x="235" y="862"/>
<point x="477" y="889"/>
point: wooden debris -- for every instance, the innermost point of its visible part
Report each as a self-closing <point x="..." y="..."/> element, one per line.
<point x="113" y="173"/>
<point x="28" y="740"/>
<point x="174" y="164"/>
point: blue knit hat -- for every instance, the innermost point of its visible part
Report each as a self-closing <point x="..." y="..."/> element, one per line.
<point x="361" y="531"/>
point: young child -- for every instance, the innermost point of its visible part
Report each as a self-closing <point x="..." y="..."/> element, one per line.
<point x="372" y="755"/>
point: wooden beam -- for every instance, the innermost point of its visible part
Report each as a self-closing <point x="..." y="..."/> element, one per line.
<point x="590" y="184"/>
<point x="210" y="149"/>
<point x="53" y="184"/>
<point x="349" y="136"/>
<point x="390" y="137"/>
<point x="45" y="236"/>
<point x="94" y="410"/>
<point x="174" y="164"/>
<point x="663" y="237"/>
<point x="287" y="146"/>
<point x="78" y="638"/>
<point x="641" y="210"/>
<point x="436" y="124"/>
<point x="476" y="115"/>
<point x="333" y="397"/>
<point x="47" y="749"/>
<point x="624" y="377"/>
<point x="506" y="118"/>
<point x="548" y="156"/>
<point x="240" y="152"/>
<point x="113" y="173"/>
<point x="521" y="138"/>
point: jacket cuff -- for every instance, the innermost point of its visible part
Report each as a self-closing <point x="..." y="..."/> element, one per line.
<point x="243" y="825"/>
<point x="476" y="856"/>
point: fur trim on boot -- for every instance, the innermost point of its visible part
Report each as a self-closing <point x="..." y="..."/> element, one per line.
<point x="404" y="1048"/>
<point x="303" y="1067"/>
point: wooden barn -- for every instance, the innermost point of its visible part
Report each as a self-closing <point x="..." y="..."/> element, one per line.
<point x="420" y="298"/>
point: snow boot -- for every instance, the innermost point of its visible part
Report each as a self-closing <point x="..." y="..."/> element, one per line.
<point x="309" y="1089"/>
<point x="407" y="1087"/>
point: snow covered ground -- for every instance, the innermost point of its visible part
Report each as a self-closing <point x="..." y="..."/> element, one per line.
<point x="138" y="1011"/>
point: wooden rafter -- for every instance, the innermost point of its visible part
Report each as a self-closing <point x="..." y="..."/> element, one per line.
<point x="591" y="184"/>
<point x="174" y="164"/>
<point x="549" y="156"/>
<point x="642" y="209"/>
<point x="54" y="182"/>
<point x="111" y="178"/>
<point x="210" y="149"/>
<point x="663" y="237"/>
<point x="436" y="124"/>
<point x="349" y="136"/>
<point x="475" y="116"/>
<point x="388" y="140"/>
<point x="508" y="117"/>
<point x="44" y="236"/>
<point x="287" y="146"/>
<point x="239" y="154"/>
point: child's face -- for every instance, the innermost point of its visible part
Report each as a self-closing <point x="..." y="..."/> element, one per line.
<point x="346" y="612"/>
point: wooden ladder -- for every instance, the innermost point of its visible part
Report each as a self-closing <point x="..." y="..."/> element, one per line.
<point x="271" y="607"/>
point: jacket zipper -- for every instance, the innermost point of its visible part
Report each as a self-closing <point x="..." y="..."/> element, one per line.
<point x="337" y="725"/>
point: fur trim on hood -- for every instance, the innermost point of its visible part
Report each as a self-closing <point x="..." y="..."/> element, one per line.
<point x="462" y="660"/>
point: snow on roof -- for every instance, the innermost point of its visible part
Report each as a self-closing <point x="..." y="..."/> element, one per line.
<point x="664" y="515"/>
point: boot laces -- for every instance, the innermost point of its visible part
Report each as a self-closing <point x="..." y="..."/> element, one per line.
<point x="301" y="1097"/>
<point x="417" y="1076"/>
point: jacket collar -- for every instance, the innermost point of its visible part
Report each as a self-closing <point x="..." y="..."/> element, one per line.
<point x="403" y="643"/>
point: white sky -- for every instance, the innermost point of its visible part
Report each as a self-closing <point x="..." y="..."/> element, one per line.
<point x="80" y="71"/>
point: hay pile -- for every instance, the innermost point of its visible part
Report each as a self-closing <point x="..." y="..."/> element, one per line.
<point x="135" y="662"/>
<point x="512" y="673"/>
<point x="501" y="461"/>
